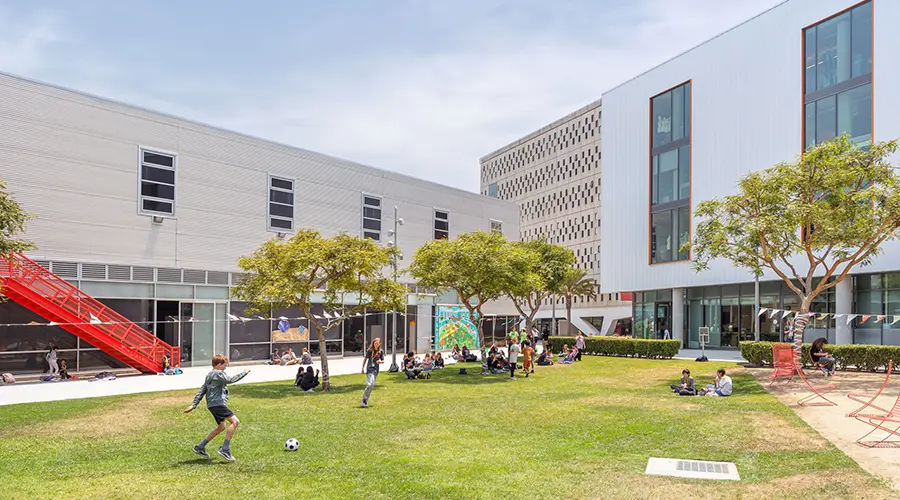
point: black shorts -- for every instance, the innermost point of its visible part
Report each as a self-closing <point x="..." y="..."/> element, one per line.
<point x="220" y="413"/>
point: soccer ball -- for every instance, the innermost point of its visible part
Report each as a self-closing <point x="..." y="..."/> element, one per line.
<point x="292" y="445"/>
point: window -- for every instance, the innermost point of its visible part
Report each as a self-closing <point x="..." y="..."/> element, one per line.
<point x="157" y="188"/>
<point x="371" y="217"/>
<point x="838" y="77"/>
<point x="492" y="190"/>
<point x="496" y="226"/>
<point x="441" y="225"/>
<point x="281" y="204"/>
<point x="670" y="174"/>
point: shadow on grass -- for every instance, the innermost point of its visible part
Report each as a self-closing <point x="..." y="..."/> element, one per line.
<point x="198" y="461"/>
<point x="287" y="390"/>
<point x="452" y="377"/>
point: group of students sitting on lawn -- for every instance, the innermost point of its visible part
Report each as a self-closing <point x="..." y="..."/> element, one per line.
<point x="721" y="387"/>
<point x="289" y="358"/>
<point x="413" y="368"/>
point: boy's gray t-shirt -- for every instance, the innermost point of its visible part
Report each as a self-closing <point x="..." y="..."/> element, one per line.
<point x="514" y="350"/>
<point x="215" y="388"/>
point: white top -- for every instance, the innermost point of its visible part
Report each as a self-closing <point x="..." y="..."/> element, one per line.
<point x="724" y="385"/>
<point x="514" y="351"/>
<point x="579" y="342"/>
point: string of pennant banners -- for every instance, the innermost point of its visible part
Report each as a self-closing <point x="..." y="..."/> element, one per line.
<point x="879" y="318"/>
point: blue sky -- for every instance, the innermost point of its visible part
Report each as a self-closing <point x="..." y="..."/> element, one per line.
<point x="422" y="87"/>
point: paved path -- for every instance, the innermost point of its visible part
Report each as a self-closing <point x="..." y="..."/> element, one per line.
<point x="732" y="355"/>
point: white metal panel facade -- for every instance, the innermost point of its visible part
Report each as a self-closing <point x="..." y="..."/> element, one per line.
<point x="746" y="115"/>
<point x="72" y="160"/>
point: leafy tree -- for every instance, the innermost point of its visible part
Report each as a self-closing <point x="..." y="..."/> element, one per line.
<point x="810" y="221"/>
<point x="473" y="265"/>
<point x="575" y="283"/>
<point x="538" y="270"/>
<point x="12" y="222"/>
<point x="281" y="274"/>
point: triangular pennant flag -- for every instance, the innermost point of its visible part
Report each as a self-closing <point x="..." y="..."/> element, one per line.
<point x="35" y="323"/>
<point x="94" y="320"/>
<point x="839" y="316"/>
<point x="52" y="323"/>
<point x="896" y="319"/>
<point x="327" y="316"/>
<point x="244" y="320"/>
<point x="232" y="317"/>
<point x="851" y="317"/>
<point x="260" y="317"/>
<point x="773" y="312"/>
<point x="301" y="318"/>
<point x="880" y="318"/>
<point x="282" y="318"/>
<point x="786" y="314"/>
<point x="762" y="311"/>
<point x="317" y="316"/>
<point x="358" y="314"/>
<point x="192" y="319"/>
<point x="865" y="317"/>
<point x="823" y="315"/>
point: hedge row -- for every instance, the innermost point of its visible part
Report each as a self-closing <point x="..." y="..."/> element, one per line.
<point x="860" y="356"/>
<point x="622" y="346"/>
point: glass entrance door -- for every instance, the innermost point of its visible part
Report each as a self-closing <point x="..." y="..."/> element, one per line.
<point x="203" y="331"/>
<point x="204" y="328"/>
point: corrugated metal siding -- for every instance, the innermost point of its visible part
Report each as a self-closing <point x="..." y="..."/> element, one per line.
<point x="71" y="160"/>
<point x="747" y="115"/>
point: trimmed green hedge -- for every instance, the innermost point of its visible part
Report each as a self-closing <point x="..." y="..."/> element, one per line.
<point x="622" y="346"/>
<point x="861" y="356"/>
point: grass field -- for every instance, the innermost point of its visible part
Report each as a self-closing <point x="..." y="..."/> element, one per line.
<point x="580" y="431"/>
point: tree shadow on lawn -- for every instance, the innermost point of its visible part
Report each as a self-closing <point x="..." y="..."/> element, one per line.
<point x="452" y="377"/>
<point x="288" y="390"/>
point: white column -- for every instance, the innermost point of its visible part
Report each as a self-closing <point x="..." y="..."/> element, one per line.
<point x="678" y="314"/>
<point x="843" y="304"/>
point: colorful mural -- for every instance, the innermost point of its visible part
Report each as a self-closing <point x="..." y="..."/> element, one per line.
<point x="453" y="325"/>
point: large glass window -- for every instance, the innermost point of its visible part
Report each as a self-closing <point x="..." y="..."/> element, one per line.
<point x="157" y="186"/>
<point x="371" y="217"/>
<point x="281" y="204"/>
<point x="838" y="77"/>
<point x="670" y="174"/>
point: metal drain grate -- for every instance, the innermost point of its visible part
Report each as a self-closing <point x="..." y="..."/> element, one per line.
<point x="697" y="469"/>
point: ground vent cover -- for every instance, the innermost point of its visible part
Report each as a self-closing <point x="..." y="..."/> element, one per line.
<point x="693" y="469"/>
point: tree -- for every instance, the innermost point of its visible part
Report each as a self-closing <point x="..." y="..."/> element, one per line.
<point x="473" y="265"/>
<point x="281" y="274"/>
<point x="537" y="271"/>
<point x="12" y="222"/>
<point x="575" y="283"/>
<point x="810" y="221"/>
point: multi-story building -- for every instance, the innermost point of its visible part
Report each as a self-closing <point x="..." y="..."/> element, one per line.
<point x="553" y="174"/>
<point x="798" y="74"/>
<point x="150" y="212"/>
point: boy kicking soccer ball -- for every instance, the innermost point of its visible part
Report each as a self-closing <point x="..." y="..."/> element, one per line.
<point x="216" y="391"/>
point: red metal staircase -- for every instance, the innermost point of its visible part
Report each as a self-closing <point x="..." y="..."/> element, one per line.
<point x="39" y="290"/>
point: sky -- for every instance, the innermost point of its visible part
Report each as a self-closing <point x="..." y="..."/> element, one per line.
<point x="420" y="87"/>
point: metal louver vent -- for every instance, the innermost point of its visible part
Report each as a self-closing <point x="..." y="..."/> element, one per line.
<point x="142" y="273"/>
<point x="64" y="269"/>
<point x="93" y="271"/>
<point x="696" y="469"/>
<point x="196" y="277"/>
<point x="216" y="278"/>
<point x="119" y="273"/>
<point x="235" y="277"/>
<point x="43" y="263"/>
<point x="168" y="275"/>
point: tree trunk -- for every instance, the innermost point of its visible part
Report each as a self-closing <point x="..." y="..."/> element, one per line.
<point x="569" y="315"/>
<point x="480" y="326"/>
<point x="323" y="355"/>
<point x="798" y="327"/>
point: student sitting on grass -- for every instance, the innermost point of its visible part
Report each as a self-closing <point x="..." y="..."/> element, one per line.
<point x="306" y="357"/>
<point x="722" y="387"/>
<point x="545" y="358"/>
<point x="275" y="359"/>
<point x="456" y="354"/>
<point x="409" y="365"/>
<point x="438" y="360"/>
<point x="564" y="352"/>
<point x="570" y="357"/>
<point x="427" y="367"/>
<point x="310" y="380"/>
<point x="687" y="384"/>
<point x="465" y="353"/>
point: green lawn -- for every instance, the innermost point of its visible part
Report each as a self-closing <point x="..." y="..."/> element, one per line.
<point x="580" y="431"/>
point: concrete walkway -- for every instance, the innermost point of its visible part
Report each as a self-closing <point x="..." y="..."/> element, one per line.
<point x="192" y="378"/>
<point x="728" y="355"/>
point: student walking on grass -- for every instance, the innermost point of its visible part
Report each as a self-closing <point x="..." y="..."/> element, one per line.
<point x="514" y="351"/>
<point x="528" y="358"/>
<point x="374" y="358"/>
<point x="215" y="388"/>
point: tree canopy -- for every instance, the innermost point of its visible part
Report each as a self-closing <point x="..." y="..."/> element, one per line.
<point x="281" y="274"/>
<point x="810" y="221"/>
<point x="12" y="223"/>
<point x="474" y="265"/>
<point x="537" y="269"/>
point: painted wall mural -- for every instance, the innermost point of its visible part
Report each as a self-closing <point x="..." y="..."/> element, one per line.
<point x="454" y="325"/>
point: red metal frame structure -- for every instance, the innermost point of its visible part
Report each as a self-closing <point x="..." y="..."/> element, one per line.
<point x="860" y="398"/>
<point x="27" y="283"/>
<point x="783" y="361"/>
<point x="818" y="392"/>
<point x="880" y="422"/>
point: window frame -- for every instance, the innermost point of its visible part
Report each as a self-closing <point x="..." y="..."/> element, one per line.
<point x="140" y="180"/>
<point x="293" y="191"/>
<point x="673" y="145"/>
<point x="499" y="230"/>
<point x="434" y="219"/>
<point x="834" y="90"/>
<point x="363" y="218"/>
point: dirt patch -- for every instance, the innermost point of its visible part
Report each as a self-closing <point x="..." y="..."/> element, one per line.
<point x="775" y="433"/>
<point x="119" y="418"/>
